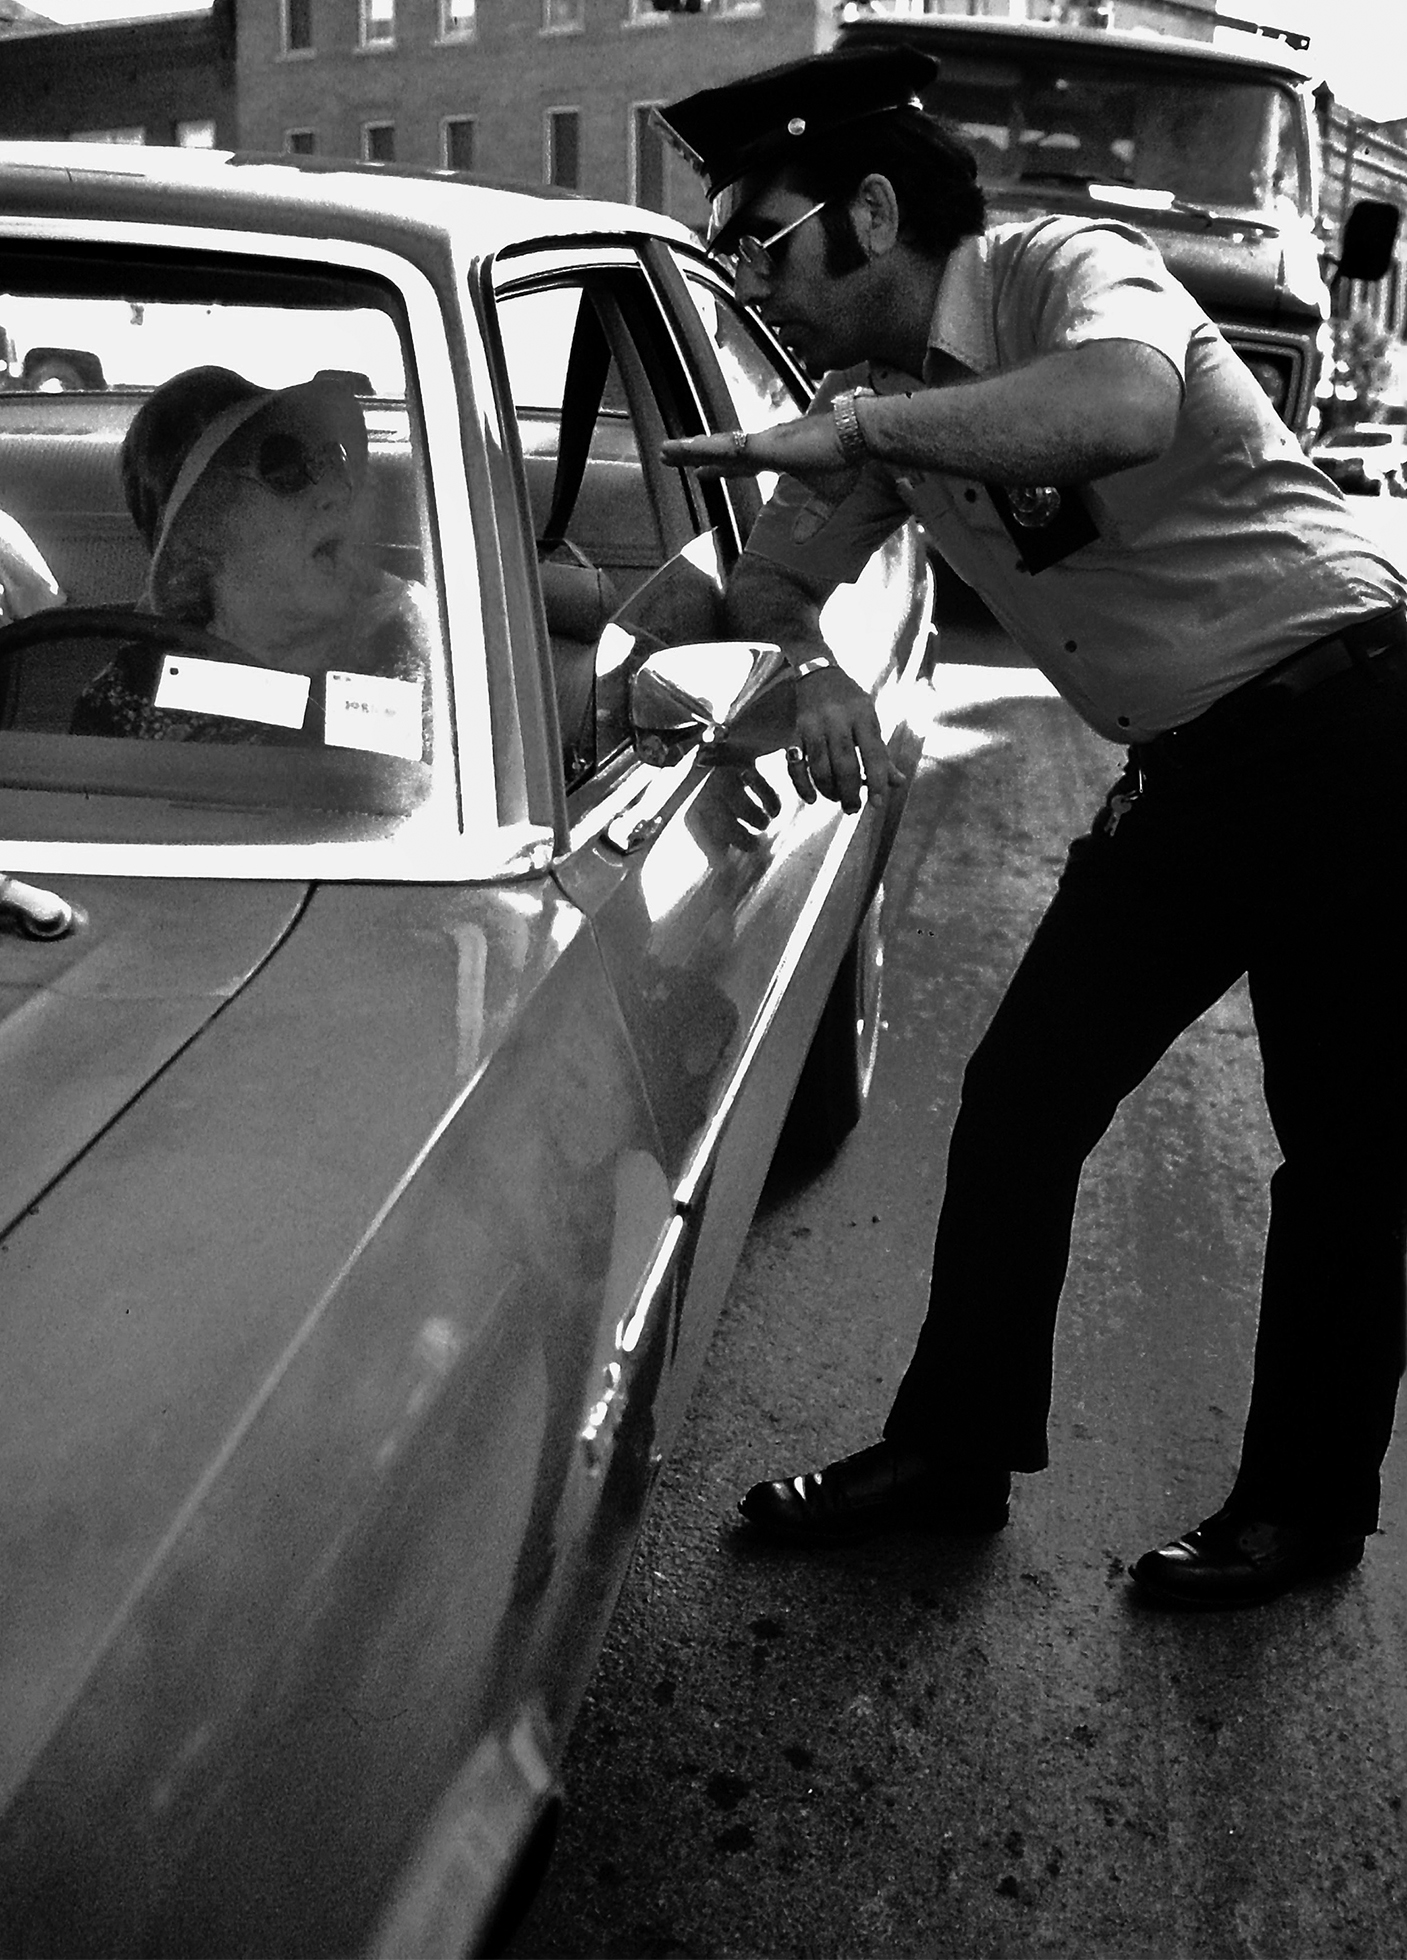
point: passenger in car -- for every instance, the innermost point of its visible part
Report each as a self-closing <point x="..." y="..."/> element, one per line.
<point x="255" y="506"/>
<point x="26" y="583"/>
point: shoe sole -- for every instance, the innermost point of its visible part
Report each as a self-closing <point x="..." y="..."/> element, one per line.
<point x="861" y="1529"/>
<point x="1332" y="1566"/>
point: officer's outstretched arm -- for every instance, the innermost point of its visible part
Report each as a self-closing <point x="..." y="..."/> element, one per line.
<point x="837" y="731"/>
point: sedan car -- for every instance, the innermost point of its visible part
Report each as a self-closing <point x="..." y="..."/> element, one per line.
<point x="390" y="1078"/>
<point x="1366" y="459"/>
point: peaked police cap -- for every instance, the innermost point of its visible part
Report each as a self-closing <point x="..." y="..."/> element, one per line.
<point x="749" y="126"/>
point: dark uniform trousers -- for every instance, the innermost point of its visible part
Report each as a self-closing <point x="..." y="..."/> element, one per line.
<point x="1276" y="848"/>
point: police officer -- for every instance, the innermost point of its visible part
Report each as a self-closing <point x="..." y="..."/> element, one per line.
<point x="1083" y="447"/>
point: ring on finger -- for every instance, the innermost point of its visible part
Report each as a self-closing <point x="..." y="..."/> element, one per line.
<point x="738" y="438"/>
<point x="795" y="755"/>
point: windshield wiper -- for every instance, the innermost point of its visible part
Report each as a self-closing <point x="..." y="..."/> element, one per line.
<point x="1063" y="177"/>
<point x="1142" y="198"/>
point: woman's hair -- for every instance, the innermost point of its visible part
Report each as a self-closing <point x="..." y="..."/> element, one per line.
<point x="181" y="584"/>
<point x="933" y="172"/>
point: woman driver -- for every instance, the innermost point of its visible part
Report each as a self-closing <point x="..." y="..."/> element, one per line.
<point x="256" y="508"/>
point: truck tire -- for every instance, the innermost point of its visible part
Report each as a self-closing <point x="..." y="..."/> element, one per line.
<point x="55" y="374"/>
<point x="835" y="1079"/>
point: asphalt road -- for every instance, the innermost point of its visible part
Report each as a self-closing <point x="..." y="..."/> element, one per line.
<point x="928" y="1748"/>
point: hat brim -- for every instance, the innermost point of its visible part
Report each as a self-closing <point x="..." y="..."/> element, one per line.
<point x="757" y="123"/>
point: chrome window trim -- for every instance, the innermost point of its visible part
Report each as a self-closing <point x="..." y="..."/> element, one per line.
<point x="412" y="857"/>
<point x="462" y="836"/>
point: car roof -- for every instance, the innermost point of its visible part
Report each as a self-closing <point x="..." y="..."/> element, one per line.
<point x="168" y="185"/>
<point x="990" y="33"/>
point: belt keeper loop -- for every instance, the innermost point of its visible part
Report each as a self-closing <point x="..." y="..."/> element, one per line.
<point x="1384" y="634"/>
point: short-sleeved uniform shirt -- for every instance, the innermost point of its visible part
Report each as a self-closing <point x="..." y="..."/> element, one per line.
<point x="1184" y="576"/>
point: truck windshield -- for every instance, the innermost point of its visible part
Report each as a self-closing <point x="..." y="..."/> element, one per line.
<point x="1214" y="139"/>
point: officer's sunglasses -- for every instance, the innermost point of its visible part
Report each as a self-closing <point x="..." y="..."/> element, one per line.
<point x="759" y="255"/>
<point x="288" y="464"/>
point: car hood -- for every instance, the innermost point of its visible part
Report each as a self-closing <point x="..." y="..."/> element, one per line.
<point x="86" y="1022"/>
<point x="236" y="1090"/>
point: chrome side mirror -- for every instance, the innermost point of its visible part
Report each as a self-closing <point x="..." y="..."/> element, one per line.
<point x="733" y="700"/>
<point x="1369" y="239"/>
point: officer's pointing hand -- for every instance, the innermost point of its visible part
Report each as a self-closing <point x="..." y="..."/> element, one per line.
<point x="807" y="448"/>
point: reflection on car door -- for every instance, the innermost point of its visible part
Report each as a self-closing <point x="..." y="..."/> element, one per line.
<point x="701" y="885"/>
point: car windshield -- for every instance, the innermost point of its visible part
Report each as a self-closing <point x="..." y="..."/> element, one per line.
<point x="1064" y="115"/>
<point x="219" y="617"/>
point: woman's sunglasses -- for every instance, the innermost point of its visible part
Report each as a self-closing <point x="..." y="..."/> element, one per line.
<point x="760" y="255"/>
<point x="289" y="464"/>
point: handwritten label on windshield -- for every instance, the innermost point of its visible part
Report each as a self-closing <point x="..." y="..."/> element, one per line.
<point x="226" y="687"/>
<point x="371" y="711"/>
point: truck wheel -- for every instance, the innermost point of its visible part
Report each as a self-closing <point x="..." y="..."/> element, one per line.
<point x="54" y="376"/>
<point x="835" y="1080"/>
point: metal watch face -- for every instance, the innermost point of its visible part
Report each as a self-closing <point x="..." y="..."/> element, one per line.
<point x="1033" y="505"/>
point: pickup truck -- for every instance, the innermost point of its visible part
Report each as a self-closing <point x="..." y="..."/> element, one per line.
<point x="1213" y="153"/>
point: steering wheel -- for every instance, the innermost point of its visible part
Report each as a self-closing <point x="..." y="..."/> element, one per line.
<point x="112" y="623"/>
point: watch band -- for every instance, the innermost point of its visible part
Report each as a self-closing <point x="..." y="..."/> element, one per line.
<point x="848" y="433"/>
<point x="817" y="661"/>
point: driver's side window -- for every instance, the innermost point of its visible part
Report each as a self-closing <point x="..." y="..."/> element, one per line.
<point x="227" y="533"/>
<point x="627" y="553"/>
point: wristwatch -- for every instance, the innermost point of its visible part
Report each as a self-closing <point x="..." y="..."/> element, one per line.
<point x="813" y="665"/>
<point x="848" y="433"/>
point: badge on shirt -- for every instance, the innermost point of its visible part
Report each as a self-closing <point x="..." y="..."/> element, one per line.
<point x="1043" y="523"/>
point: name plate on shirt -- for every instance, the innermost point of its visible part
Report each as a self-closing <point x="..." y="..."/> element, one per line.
<point x="1044" y="540"/>
<point x="227" y="687"/>
<point x="375" y="712"/>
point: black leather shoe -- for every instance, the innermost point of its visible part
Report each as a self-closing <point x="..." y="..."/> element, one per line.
<point x="876" y="1490"/>
<point x="1232" y="1560"/>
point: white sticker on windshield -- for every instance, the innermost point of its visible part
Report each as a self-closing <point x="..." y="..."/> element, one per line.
<point x="371" y="711"/>
<point x="226" y="687"/>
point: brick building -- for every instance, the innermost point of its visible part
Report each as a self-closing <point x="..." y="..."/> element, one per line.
<point x="138" y="81"/>
<point x="535" y="91"/>
<point x="527" y="91"/>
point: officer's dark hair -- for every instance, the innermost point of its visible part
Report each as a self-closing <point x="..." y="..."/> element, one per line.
<point x="933" y="172"/>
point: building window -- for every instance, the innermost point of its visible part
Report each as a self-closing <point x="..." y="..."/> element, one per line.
<point x="457" y="142"/>
<point x="563" y="164"/>
<point x="377" y="28"/>
<point x="136" y="134"/>
<point x="196" y="134"/>
<point x="648" y="158"/>
<point x="457" y="19"/>
<point x="738" y="9"/>
<point x="297" y="26"/>
<point x="378" y="142"/>
<point x="300" y="142"/>
<point x="563" y="16"/>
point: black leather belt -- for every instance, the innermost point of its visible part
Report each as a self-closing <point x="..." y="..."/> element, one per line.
<point x="1255" y="701"/>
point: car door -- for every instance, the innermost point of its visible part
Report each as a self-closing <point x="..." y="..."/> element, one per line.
<point x="720" y="901"/>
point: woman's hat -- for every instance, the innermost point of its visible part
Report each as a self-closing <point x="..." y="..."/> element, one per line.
<point x="327" y="404"/>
